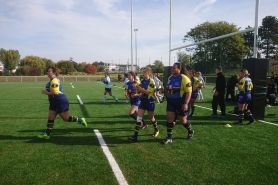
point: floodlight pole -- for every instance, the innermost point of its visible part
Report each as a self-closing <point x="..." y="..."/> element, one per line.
<point x="135" y="31"/>
<point x="170" y="34"/>
<point x="255" y="48"/>
<point x="131" y="60"/>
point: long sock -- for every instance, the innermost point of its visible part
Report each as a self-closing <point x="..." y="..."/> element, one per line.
<point x="188" y="126"/>
<point x="144" y="123"/>
<point x="169" y="127"/>
<point x="240" y="116"/>
<point x="137" y="128"/>
<point x="192" y="110"/>
<point x="157" y="99"/>
<point x="155" y="126"/>
<point x="49" y="126"/>
<point x="249" y="114"/>
<point x="104" y="97"/>
<point x="134" y="116"/>
<point x="74" y="119"/>
<point x="114" y="97"/>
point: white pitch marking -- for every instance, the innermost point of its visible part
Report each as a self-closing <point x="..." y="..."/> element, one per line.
<point x="237" y="115"/>
<point x="79" y="99"/>
<point x="114" y="165"/>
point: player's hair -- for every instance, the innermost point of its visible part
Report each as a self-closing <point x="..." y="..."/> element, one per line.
<point x="219" y="68"/>
<point x="125" y="74"/>
<point x="55" y="70"/>
<point x="106" y="73"/>
<point x="245" y="72"/>
<point x="178" y="65"/>
<point x="199" y="72"/>
<point x="193" y="72"/>
<point x="132" y="74"/>
<point x="148" y="70"/>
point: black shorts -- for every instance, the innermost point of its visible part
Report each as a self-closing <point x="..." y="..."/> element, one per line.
<point x="108" y="89"/>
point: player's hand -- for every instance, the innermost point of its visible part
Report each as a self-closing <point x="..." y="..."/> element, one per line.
<point x="135" y="85"/>
<point x="44" y="91"/>
<point x="185" y="107"/>
<point x="215" y="93"/>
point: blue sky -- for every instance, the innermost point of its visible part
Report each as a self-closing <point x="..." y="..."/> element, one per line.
<point x="100" y="30"/>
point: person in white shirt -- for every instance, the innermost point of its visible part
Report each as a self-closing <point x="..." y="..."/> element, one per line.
<point x="137" y="77"/>
<point x="159" y="98"/>
<point x="108" y="88"/>
<point x="200" y="96"/>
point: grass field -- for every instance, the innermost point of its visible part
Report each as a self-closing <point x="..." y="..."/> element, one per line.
<point x="73" y="155"/>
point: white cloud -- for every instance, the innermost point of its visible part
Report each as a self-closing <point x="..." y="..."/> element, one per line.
<point x="204" y="5"/>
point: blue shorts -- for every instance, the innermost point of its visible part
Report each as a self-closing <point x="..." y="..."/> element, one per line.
<point x="175" y="105"/>
<point x="59" y="103"/>
<point x="244" y="98"/>
<point x="147" y="104"/>
<point x="107" y="89"/>
<point x="134" y="101"/>
<point x="194" y="94"/>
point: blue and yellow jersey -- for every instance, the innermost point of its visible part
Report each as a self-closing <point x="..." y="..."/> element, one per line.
<point x="245" y="84"/>
<point x="54" y="85"/>
<point x="195" y="82"/>
<point x="178" y="85"/>
<point x="149" y="85"/>
<point x="130" y="89"/>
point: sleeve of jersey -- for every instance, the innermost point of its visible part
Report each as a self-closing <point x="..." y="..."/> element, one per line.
<point x="138" y="83"/>
<point x="241" y="84"/>
<point x="108" y="80"/>
<point x="151" y="87"/>
<point x="199" y="82"/>
<point x="186" y="84"/>
<point x="54" y="85"/>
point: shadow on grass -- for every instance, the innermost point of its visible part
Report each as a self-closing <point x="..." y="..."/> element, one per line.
<point x="79" y="136"/>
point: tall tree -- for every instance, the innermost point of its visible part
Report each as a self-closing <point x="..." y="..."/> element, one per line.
<point x="158" y="66"/>
<point x="226" y="52"/>
<point x="29" y="64"/>
<point x="247" y="49"/>
<point x="90" y="69"/>
<point x="9" y="58"/>
<point x="95" y="63"/>
<point x="268" y="34"/>
<point x="66" y="66"/>
<point x="184" y="58"/>
<point x="48" y="63"/>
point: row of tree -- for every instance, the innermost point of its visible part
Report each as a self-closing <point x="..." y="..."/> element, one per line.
<point x="36" y="66"/>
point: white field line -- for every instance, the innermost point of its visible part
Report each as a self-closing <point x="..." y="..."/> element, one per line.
<point x="79" y="99"/>
<point x="237" y="115"/>
<point x="114" y="165"/>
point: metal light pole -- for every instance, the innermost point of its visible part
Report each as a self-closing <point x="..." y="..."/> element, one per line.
<point x="170" y="34"/>
<point x="135" y="30"/>
<point x="131" y="38"/>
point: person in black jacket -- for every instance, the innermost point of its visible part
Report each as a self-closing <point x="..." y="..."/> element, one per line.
<point x="271" y="93"/>
<point x="233" y="80"/>
<point x="273" y="76"/>
<point x="218" y="94"/>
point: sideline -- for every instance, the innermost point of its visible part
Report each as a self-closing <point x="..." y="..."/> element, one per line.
<point x="237" y="115"/>
<point x="114" y="165"/>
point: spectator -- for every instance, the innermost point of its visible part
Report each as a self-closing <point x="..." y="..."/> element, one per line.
<point x="233" y="80"/>
<point x="273" y="76"/>
<point x="218" y="94"/>
<point x="200" y="78"/>
<point x="271" y="93"/>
